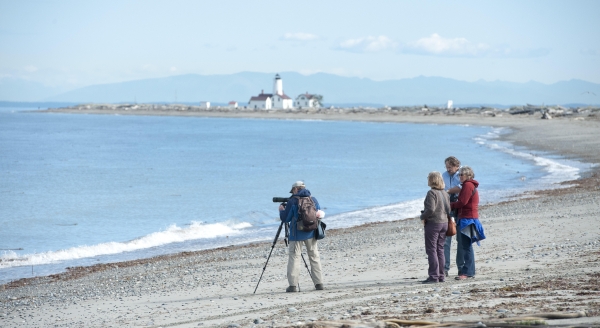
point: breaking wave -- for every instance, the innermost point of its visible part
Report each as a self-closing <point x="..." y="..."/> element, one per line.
<point x="173" y="234"/>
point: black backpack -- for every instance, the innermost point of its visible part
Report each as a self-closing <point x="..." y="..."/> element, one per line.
<point x="307" y="214"/>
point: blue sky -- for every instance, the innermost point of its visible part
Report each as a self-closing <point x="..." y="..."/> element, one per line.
<point x="70" y="44"/>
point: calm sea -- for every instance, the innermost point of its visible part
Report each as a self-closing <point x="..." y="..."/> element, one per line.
<point x="87" y="189"/>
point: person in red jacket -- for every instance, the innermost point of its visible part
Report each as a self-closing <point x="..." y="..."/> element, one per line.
<point x="468" y="220"/>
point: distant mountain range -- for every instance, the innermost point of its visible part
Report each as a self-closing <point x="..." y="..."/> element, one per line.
<point x="336" y="90"/>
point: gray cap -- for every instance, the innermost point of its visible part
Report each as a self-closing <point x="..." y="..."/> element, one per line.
<point x="297" y="184"/>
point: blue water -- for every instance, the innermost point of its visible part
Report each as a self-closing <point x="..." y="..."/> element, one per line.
<point x="86" y="189"/>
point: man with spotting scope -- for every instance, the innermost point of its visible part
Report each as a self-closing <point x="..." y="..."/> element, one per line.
<point x="289" y="214"/>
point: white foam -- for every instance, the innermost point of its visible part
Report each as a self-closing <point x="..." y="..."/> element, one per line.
<point x="556" y="171"/>
<point x="173" y="234"/>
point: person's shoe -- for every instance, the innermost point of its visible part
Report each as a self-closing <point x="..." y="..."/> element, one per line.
<point x="291" y="289"/>
<point x="446" y="273"/>
<point x="463" y="277"/>
<point x="319" y="286"/>
<point x="429" y="281"/>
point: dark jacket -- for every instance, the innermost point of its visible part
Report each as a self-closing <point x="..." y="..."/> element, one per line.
<point x="468" y="200"/>
<point x="290" y="215"/>
<point x="436" y="203"/>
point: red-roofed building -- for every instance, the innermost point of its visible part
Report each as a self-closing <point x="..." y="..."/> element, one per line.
<point x="262" y="101"/>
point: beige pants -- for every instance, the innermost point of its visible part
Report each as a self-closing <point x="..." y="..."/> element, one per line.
<point x="294" y="265"/>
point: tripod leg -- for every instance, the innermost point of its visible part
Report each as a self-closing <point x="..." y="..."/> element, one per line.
<point x="306" y="266"/>
<point x="267" y="262"/>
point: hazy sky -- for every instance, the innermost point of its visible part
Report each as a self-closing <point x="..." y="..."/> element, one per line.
<point x="79" y="43"/>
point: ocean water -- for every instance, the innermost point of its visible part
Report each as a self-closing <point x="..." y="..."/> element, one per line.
<point x="86" y="189"/>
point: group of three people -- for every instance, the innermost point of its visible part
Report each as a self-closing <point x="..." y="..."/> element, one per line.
<point x="453" y="194"/>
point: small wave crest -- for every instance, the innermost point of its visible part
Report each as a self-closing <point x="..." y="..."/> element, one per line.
<point x="399" y="211"/>
<point x="173" y="234"/>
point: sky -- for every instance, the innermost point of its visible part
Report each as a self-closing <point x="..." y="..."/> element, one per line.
<point x="71" y="44"/>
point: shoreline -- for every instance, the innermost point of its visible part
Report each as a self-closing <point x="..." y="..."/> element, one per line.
<point x="376" y="267"/>
<point x="588" y="183"/>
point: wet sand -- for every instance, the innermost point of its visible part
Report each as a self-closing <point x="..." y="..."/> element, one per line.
<point x="542" y="256"/>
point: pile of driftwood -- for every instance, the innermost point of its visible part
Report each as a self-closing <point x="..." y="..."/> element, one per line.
<point x="540" y="320"/>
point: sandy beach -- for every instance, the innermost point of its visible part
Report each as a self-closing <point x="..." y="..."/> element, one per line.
<point x="539" y="264"/>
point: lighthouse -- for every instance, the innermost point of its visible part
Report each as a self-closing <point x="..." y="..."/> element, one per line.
<point x="280" y="99"/>
<point x="277" y="85"/>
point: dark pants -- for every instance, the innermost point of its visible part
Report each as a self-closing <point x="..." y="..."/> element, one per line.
<point x="468" y="268"/>
<point x="435" y="238"/>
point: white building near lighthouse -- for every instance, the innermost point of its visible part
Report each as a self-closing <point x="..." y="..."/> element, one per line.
<point x="307" y="100"/>
<point x="277" y="100"/>
<point x="262" y="101"/>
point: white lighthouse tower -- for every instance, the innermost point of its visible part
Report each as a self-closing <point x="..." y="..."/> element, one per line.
<point x="277" y="86"/>
<point x="280" y="99"/>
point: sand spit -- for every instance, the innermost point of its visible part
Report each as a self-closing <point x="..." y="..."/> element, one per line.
<point x="539" y="265"/>
<point x="547" y="111"/>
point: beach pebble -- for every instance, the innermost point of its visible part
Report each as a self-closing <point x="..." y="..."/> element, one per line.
<point x="456" y="292"/>
<point x="501" y="310"/>
<point x="481" y="324"/>
<point x="292" y="310"/>
<point x="233" y="325"/>
<point x="258" y="321"/>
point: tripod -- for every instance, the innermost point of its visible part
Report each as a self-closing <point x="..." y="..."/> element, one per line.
<point x="273" y="246"/>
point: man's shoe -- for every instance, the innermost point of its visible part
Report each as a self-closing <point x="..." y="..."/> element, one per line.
<point x="319" y="286"/>
<point x="446" y="273"/>
<point x="291" y="289"/>
<point x="429" y="281"/>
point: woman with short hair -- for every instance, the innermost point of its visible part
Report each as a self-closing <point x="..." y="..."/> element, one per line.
<point x="435" y="221"/>
<point x="468" y="228"/>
